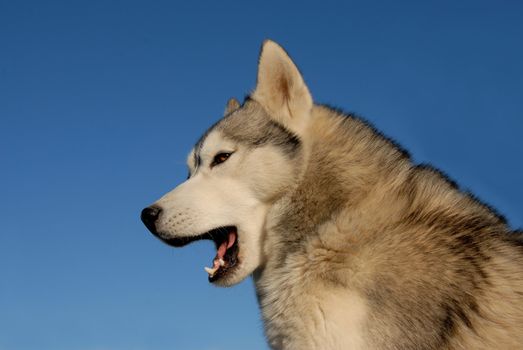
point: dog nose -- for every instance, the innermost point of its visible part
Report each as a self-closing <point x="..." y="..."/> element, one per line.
<point x="149" y="216"/>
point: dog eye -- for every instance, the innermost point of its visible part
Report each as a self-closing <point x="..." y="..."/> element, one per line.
<point x="220" y="158"/>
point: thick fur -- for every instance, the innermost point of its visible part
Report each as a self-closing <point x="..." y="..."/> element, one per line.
<point x="351" y="246"/>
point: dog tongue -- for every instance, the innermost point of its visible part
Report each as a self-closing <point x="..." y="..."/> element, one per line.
<point x="222" y="249"/>
<point x="225" y="245"/>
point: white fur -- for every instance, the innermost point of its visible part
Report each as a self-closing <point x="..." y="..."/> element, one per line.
<point x="231" y="193"/>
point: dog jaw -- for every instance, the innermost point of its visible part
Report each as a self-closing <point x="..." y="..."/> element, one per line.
<point x="200" y="205"/>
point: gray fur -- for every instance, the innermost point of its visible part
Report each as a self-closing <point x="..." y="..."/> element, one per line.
<point x="252" y="127"/>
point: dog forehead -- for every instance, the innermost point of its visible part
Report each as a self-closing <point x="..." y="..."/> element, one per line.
<point x="237" y="125"/>
<point x="250" y="126"/>
<point x="248" y="123"/>
<point x="215" y="141"/>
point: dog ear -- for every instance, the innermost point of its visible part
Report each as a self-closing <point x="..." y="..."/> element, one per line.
<point x="231" y="106"/>
<point x="280" y="88"/>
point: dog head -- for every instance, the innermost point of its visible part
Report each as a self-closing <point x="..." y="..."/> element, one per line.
<point x="238" y="169"/>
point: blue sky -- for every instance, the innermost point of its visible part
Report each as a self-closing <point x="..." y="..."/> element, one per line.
<point x="100" y="101"/>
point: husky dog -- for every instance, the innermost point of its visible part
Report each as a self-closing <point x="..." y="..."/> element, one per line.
<point x="351" y="246"/>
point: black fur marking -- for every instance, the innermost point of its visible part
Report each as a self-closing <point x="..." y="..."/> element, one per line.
<point x="247" y="98"/>
<point x="197" y="159"/>
<point x="515" y="238"/>
<point x="454" y="315"/>
<point x="280" y="136"/>
<point x="448" y="326"/>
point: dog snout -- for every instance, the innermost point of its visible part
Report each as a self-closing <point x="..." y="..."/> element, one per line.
<point x="149" y="217"/>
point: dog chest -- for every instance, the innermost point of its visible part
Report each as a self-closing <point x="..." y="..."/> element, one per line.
<point x="303" y="313"/>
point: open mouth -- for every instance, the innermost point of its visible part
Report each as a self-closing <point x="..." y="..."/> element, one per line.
<point x="226" y="242"/>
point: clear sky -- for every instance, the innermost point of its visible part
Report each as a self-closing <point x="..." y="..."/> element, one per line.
<point x="100" y="101"/>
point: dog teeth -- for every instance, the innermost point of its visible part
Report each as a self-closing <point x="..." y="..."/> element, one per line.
<point x="217" y="264"/>
<point x="211" y="271"/>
